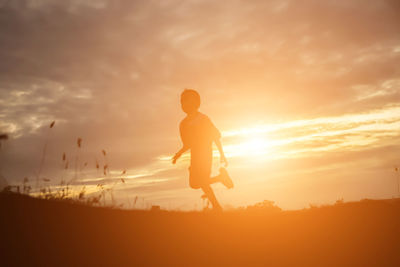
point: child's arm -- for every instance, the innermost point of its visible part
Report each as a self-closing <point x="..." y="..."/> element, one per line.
<point x="222" y="157"/>
<point x="179" y="153"/>
<point x="185" y="146"/>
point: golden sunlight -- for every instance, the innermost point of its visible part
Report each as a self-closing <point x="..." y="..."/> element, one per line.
<point x="304" y="137"/>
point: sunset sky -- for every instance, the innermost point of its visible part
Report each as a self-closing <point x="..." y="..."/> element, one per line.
<point x="305" y="93"/>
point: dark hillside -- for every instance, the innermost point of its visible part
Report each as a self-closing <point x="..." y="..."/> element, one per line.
<point x="55" y="233"/>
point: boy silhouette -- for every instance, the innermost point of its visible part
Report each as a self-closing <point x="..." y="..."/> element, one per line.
<point x="197" y="134"/>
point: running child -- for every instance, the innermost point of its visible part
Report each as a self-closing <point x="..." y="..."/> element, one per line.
<point x="198" y="134"/>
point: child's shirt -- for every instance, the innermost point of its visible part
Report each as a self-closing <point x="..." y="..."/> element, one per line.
<point x="198" y="133"/>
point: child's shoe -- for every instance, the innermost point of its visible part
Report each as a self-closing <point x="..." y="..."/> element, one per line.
<point x="225" y="179"/>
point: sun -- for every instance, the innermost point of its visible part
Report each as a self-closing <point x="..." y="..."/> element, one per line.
<point x="255" y="146"/>
<point x="250" y="147"/>
<point x="254" y="141"/>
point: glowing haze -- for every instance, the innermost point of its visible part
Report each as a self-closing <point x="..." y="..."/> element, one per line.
<point x="305" y="93"/>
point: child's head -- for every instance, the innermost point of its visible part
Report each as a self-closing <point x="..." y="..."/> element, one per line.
<point x="190" y="101"/>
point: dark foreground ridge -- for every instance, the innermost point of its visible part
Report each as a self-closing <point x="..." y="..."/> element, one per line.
<point x="37" y="232"/>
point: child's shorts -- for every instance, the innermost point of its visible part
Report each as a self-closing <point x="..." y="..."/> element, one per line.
<point x="199" y="177"/>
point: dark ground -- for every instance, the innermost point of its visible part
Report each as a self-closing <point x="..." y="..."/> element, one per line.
<point x="37" y="232"/>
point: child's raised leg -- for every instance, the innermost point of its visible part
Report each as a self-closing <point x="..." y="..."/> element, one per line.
<point x="223" y="178"/>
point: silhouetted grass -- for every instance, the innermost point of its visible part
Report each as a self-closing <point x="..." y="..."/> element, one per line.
<point x="42" y="160"/>
<point x="46" y="188"/>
